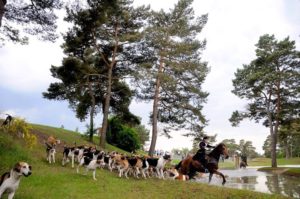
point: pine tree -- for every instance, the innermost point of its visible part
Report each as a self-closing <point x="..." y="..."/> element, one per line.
<point x="36" y="17"/>
<point x="271" y="84"/>
<point x="174" y="73"/>
<point x="110" y="31"/>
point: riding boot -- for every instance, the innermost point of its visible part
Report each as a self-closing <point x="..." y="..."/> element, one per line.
<point x="205" y="165"/>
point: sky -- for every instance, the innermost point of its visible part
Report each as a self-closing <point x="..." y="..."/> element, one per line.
<point x="232" y="30"/>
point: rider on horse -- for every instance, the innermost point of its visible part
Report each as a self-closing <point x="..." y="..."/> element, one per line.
<point x="202" y="152"/>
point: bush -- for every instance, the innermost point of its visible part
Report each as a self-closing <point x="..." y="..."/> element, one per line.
<point x="128" y="139"/>
<point x="19" y="127"/>
<point x="122" y="136"/>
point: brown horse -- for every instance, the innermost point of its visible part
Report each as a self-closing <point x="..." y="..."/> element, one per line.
<point x="190" y="165"/>
<point x="243" y="165"/>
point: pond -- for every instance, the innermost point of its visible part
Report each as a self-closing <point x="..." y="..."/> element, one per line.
<point x="254" y="180"/>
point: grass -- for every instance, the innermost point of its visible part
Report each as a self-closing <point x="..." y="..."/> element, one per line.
<point x="70" y="137"/>
<point x="267" y="161"/>
<point x="57" y="182"/>
<point x="293" y="172"/>
<point x="282" y="170"/>
<point x="228" y="164"/>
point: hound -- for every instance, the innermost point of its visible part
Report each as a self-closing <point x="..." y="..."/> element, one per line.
<point x="9" y="181"/>
<point x="52" y="141"/>
<point x="138" y="165"/>
<point x="8" y="120"/>
<point x="159" y="164"/>
<point x="69" y="152"/>
<point x="89" y="164"/>
<point x="50" y="150"/>
<point x="175" y="175"/>
<point x="121" y="162"/>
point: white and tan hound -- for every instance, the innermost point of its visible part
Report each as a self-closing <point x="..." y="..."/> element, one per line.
<point x="9" y="181"/>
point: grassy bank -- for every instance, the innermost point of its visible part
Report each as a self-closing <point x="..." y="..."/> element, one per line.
<point x="57" y="182"/>
<point x="261" y="162"/>
<point x="282" y="170"/>
<point x="267" y="161"/>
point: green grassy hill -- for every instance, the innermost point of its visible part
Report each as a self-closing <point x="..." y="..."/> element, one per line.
<point x="57" y="182"/>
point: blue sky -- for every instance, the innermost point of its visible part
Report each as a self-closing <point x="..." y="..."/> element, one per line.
<point x="233" y="28"/>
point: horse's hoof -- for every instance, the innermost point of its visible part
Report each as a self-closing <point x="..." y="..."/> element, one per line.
<point x="223" y="183"/>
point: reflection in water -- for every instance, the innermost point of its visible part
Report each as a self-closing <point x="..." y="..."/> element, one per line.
<point x="251" y="179"/>
<point x="289" y="186"/>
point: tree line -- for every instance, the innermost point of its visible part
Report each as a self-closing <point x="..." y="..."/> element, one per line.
<point x="116" y="52"/>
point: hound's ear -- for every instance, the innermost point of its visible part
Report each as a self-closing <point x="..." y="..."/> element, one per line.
<point x="17" y="167"/>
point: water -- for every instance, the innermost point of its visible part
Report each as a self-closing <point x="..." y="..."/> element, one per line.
<point x="254" y="180"/>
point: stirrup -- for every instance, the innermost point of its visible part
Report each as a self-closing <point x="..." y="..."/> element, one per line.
<point x="206" y="170"/>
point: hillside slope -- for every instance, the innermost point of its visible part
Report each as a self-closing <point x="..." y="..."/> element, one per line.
<point x="57" y="182"/>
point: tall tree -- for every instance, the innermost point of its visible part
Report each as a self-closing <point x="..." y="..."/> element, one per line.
<point x="86" y="96"/>
<point x="112" y="31"/>
<point x="267" y="147"/>
<point x="174" y="75"/>
<point x="198" y="136"/>
<point x="231" y="145"/>
<point x="271" y="84"/>
<point x="36" y="17"/>
<point x="289" y="132"/>
<point x="246" y="148"/>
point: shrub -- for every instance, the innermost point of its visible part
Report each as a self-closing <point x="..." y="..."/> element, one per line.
<point x="19" y="127"/>
<point x="122" y="136"/>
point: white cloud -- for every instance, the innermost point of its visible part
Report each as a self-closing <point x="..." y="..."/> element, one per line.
<point x="26" y="68"/>
<point x="233" y="27"/>
<point x="232" y="30"/>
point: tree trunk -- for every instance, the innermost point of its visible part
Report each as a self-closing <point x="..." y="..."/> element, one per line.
<point x="286" y="149"/>
<point x="109" y="85"/>
<point x="91" y="125"/>
<point x="274" y="137"/>
<point x="155" y="108"/>
<point x="273" y="141"/>
<point x="91" y="93"/>
<point x="106" y="109"/>
<point x="2" y="5"/>
<point x="273" y="147"/>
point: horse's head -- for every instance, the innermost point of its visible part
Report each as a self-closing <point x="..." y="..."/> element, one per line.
<point x="222" y="149"/>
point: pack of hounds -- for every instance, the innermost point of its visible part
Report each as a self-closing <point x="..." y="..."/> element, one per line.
<point x="134" y="165"/>
<point x="91" y="159"/>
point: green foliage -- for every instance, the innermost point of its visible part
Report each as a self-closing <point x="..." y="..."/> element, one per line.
<point x="172" y="39"/>
<point x="122" y="136"/>
<point x="272" y="77"/>
<point x="33" y="17"/>
<point x="231" y="145"/>
<point x="11" y="151"/>
<point x="243" y="148"/>
<point x="128" y="139"/>
<point x="246" y="148"/>
<point x="100" y="45"/>
<point x="173" y="73"/>
<point x="20" y="128"/>
<point x="288" y="138"/>
<point x="271" y="85"/>
<point x="44" y="176"/>
<point x="143" y="134"/>
<point x="267" y="147"/>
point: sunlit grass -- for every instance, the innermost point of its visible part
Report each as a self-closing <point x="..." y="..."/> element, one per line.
<point x="57" y="182"/>
<point x="267" y="161"/>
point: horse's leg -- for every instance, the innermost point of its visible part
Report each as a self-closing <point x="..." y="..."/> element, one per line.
<point x="210" y="176"/>
<point x="221" y="174"/>
<point x="191" y="174"/>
